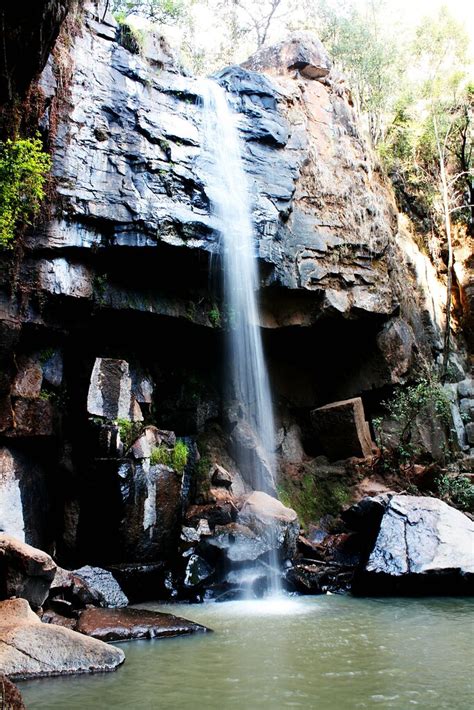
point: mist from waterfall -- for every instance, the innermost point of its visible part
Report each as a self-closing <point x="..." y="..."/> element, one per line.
<point x="230" y="201"/>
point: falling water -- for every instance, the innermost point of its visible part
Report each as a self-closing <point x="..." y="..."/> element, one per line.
<point x="229" y="195"/>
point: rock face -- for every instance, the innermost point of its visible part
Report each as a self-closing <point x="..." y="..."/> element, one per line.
<point x="422" y="546"/>
<point x="342" y="429"/>
<point x="31" y="649"/>
<point x="110" y="391"/>
<point x="24" y="571"/>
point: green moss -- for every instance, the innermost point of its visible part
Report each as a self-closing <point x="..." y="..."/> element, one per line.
<point x="215" y="316"/>
<point x="24" y="167"/>
<point x="176" y="458"/>
<point x="130" y="37"/>
<point x="129" y="431"/>
<point x="315" y="494"/>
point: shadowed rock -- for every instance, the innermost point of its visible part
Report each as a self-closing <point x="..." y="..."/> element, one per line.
<point x="342" y="429"/>
<point x="24" y="571"/>
<point x="10" y="696"/>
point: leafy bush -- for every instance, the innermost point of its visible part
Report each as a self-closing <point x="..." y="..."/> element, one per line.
<point x="176" y="458"/>
<point x="426" y="398"/>
<point x="458" y="491"/>
<point x="23" y="170"/>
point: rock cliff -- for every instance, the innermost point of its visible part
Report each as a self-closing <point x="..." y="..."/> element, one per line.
<point x="126" y="269"/>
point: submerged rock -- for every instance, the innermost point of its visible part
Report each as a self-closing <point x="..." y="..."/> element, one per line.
<point x="24" y="571"/>
<point x="124" y="624"/>
<point x="423" y="546"/>
<point x="31" y="649"/>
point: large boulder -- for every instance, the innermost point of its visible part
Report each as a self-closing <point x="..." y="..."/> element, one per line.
<point x="423" y="545"/>
<point x="99" y="587"/>
<point x="342" y="429"/>
<point x="24" y="571"/>
<point x="31" y="649"/>
<point x="301" y="51"/>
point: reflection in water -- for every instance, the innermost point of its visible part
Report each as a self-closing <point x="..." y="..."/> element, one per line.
<point x="329" y="653"/>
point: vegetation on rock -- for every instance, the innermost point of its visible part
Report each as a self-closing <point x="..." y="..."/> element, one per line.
<point x="176" y="458"/>
<point x="24" y="167"/>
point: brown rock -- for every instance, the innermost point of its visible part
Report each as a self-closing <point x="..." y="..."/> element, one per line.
<point x="342" y="429"/>
<point x="24" y="571"/>
<point x="33" y="417"/>
<point x="31" y="649"/>
<point x="124" y="624"/>
<point x="10" y="696"/>
<point x="28" y="380"/>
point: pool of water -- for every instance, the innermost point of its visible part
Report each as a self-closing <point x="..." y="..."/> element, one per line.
<point x="324" y="652"/>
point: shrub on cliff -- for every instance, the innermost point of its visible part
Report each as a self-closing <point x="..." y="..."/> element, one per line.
<point x="23" y="172"/>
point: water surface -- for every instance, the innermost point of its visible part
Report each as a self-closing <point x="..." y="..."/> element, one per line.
<point x="326" y="653"/>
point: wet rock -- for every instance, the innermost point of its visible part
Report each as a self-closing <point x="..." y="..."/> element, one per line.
<point x="102" y="585"/>
<point x="239" y="542"/>
<point x="152" y="507"/>
<point x="278" y="524"/>
<point x="53" y="368"/>
<point x="124" y="624"/>
<point x="10" y="696"/>
<point x="342" y="429"/>
<point x="197" y="571"/>
<point x="254" y="463"/>
<point x="301" y="51"/>
<point x="319" y="578"/>
<point x="31" y="649"/>
<point x="110" y="391"/>
<point x="423" y="546"/>
<point x="24" y="571"/>
<point x="221" y="477"/>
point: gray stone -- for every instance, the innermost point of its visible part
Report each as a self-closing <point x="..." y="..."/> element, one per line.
<point x="24" y="571"/>
<point x="466" y="388"/>
<point x="301" y="51"/>
<point x="423" y="539"/>
<point x="466" y="407"/>
<point x="396" y="342"/>
<point x="221" y="477"/>
<point x="53" y="369"/>
<point x="31" y="649"/>
<point x="110" y="391"/>
<point x="103" y="584"/>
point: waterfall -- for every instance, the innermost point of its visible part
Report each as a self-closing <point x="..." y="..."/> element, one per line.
<point x="229" y="195"/>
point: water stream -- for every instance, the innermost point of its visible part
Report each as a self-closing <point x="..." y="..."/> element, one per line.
<point x="248" y="383"/>
<point x="324" y="653"/>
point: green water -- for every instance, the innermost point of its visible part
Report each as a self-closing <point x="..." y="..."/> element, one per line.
<point x="326" y="653"/>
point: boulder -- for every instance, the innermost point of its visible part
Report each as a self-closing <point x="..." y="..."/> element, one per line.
<point x="10" y="696"/>
<point x="31" y="649"/>
<point x="123" y="624"/>
<point x="197" y="571"/>
<point x="103" y="586"/>
<point x="301" y="51"/>
<point x="149" y="439"/>
<point x="24" y="571"/>
<point x="28" y="380"/>
<point x="221" y="477"/>
<point x="342" y="429"/>
<point x="110" y="391"/>
<point x="423" y="546"/>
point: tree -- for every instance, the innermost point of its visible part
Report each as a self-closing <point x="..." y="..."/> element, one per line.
<point x="441" y="48"/>
<point x="159" y="11"/>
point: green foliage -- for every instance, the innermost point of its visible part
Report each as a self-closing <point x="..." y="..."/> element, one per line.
<point x="176" y="458"/>
<point x="314" y="495"/>
<point x="215" y="316"/>
<point x="159" y="11"/>
<point x="458" y="490"/>
<point x="24" y="167"/>
<point x="129" y="431"/>
<point x="131" y="37"/>
<point x="425" y="398"/>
